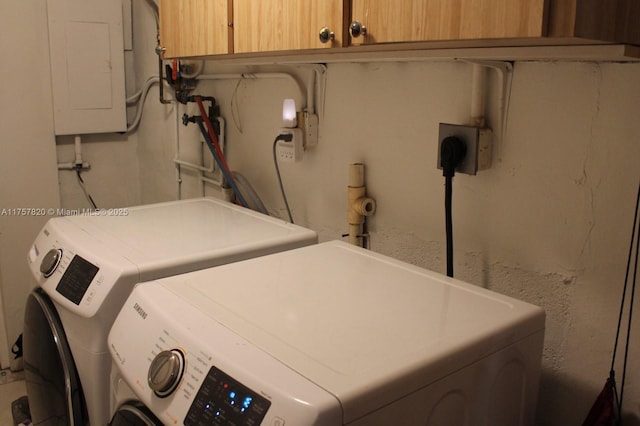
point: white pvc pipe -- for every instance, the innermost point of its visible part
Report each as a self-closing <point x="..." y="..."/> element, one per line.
<point x="77" y="141"/>
<point x="177" y="153"/>
<point x="358" y="204"/>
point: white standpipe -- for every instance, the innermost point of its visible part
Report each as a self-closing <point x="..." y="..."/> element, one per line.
<point x="77" y="163"/>
<point x="359" y="205"/>
<point x="77" y="141"/>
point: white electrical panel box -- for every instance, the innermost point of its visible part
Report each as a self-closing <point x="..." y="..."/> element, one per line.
<point x="87" y="66"/>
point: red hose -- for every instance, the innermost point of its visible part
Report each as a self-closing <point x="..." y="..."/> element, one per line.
<point x="214" y="138"/>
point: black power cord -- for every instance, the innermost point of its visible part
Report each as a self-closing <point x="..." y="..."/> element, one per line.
<point x="452" y="152"/>
<point x="78" y="170"/>
<point x="286" y="138"/>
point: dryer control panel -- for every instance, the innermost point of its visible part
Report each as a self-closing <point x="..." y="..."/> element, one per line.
<point x="75" y="270"/>
<point x="226" y="379"/>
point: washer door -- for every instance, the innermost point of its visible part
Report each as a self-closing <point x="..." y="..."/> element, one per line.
<point x="134" y="414"/>
<point x="53" y="386"/>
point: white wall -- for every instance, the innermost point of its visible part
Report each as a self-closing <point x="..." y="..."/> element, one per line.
<point x="549" y="223"/>
<point x="27" y="160"/>
<point x="112" y="181"/>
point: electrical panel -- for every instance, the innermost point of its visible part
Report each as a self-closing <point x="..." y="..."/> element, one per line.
<point x="87" y="66"/>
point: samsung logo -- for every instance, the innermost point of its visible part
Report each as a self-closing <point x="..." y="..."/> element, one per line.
<point x="140" y="311"/>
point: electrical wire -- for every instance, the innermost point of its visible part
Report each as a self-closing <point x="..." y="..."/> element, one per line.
<point x="635" y="235"/>
<point x="275" y="162"/>
<point x="448" y="196"/>
<point x="452" y="152"/>
<point x="140" y="97"/>
<point x="235" y="114"/>
<point x="84" y="189"/>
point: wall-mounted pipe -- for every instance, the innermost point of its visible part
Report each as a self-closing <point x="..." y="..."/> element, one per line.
<point x="478" y="95"/>
<point x="77" y="163"/>
<point x="479" y="89"/>
<point x="359" y="206"/>
<point x="77" y="142"/>
<point x="307" y="94"/>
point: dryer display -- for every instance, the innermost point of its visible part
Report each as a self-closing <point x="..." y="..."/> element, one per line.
<point x="76" y="279"/>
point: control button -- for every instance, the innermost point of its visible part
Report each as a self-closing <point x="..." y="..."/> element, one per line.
<point x="50" y="262"/>
<point x="33" y="254"/>
<point x="165" y="372"/>
<point x="278" y="421"/>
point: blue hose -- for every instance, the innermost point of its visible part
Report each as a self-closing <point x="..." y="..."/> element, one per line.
<point x="229" y="179"/>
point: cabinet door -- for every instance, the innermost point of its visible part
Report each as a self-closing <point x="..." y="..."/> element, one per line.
<point x="195" y="27"/>
<point x="270" y="25"/>
<point x="422" y="20"/>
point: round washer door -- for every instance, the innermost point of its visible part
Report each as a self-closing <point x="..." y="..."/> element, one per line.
<point x="53" y="386"/>
<point x="134" y="414"/>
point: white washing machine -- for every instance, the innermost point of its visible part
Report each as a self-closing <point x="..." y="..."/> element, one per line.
<point x="329" y="334"/>
<point x="87" y="265"/>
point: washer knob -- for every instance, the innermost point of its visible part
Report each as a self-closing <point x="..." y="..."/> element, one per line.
<point x="165" y="372"/>
<point x="50" y="262"/>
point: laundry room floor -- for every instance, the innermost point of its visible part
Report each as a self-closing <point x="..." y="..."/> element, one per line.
<point x="9" y="392"/>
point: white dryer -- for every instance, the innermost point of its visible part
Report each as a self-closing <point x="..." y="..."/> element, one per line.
<point x="87" y="265"/>
<point x="329" y="334"/>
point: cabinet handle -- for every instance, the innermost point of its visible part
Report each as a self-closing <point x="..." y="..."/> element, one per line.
<point x="160" y="50"/>
<point x="357" y="29"/>
<point x="326" y="35"/>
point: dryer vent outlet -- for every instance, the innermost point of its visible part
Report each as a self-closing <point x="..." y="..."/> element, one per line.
<point x="478" y="146"/>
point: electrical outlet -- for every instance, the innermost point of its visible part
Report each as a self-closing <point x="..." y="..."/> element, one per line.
<point x="309" y="122"/>
<point x="289" y="149"/>
<point x="477" y="141"/>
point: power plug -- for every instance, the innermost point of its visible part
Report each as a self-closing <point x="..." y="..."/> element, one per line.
<point x="289" y="146"/>
<point x="477" y="143"/>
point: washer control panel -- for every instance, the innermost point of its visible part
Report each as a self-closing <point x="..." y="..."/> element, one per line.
<point x="226" y="380"/>
<point x="223" y="400"/>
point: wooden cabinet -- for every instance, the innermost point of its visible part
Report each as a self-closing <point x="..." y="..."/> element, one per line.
<point x="274" y="25"/>
<point x="427" y="20"/>
<point x="616" y="21"/>
<point x="213" y="27"/>
<point x="195" y="27"/>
